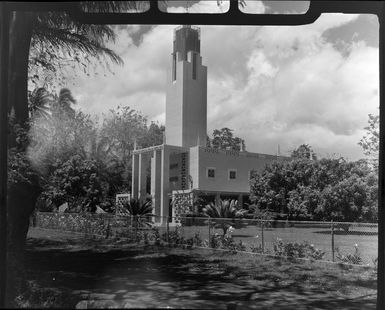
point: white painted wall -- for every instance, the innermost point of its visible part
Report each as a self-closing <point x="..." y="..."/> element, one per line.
<point x="223" y="161"/>
<point x="186" y="105"/>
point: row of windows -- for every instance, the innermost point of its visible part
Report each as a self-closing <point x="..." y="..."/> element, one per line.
<point x="210" y="173"/>
<point x="232" y="173"/>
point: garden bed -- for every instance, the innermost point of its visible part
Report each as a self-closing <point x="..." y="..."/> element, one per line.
<point x="72" y="271"/>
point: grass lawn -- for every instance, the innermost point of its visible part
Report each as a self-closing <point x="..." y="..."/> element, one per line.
<point x="65" y="269"/>
<point x="366" y="239"/>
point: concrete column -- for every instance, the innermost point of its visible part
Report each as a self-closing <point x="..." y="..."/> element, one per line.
<point x="155" y="183"/>
<point x="135" y="176"/>
<point x="143" y="165"/>
<point x="165" y="185"/>
<point x="217" y="198"/>
<point x="240" y="200"/>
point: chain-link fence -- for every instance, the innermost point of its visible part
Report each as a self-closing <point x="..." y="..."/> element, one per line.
<point x="333" y="241"/>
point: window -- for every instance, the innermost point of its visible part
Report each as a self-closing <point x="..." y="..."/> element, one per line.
<point x="194" y="66"/>
<point x="173" y="179"/>
<point x="232" y="174"/>
<point x="174" y="166"/>
<point x="210" y="172"/>
<point x="174" y="67"/>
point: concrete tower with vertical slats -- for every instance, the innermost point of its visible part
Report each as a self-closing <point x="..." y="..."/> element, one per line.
<point x="183" y="164"/>
<point x="186" y="97"/>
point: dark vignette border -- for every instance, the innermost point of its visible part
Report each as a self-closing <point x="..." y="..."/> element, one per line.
<point x="154" y="16"/>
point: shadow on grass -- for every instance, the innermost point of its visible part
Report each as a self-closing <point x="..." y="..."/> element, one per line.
<point x="160" y="277"/>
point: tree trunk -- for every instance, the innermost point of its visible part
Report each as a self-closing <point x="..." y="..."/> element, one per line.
<point x="21" y="204"/>
<point x="21" y="28"/>
<point x="21" y="196"/>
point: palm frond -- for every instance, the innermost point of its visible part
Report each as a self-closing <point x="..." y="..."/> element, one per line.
<point x="59" y="20"/>
<point x="90" y="42"/>
<point x="114" y="6"/>
<point x="39" y="102"/>
<point x="138" y="208"/>
<point x="224" y="209"/>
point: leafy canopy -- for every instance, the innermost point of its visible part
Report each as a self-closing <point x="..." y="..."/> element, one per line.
<point x="370" y="142"/>
<point x="224" y="139"/>
<point x="326" y="189"/>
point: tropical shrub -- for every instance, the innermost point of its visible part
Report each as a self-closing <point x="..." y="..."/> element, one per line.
<point x="226" y="242"/>
<point x="140" y="210"/>
<point x="297" y="250"/>
<point x="259" y="249"/>
<point x="94" y="224"/>
<point x="375" y="263"/>
<point x="223" y="214"/>
<point x="77" y="182"/>
<point x="350" y="258"/>
<point x="174" y="237"/>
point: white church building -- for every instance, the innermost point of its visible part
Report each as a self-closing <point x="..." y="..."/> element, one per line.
<point x="183" y="162"/>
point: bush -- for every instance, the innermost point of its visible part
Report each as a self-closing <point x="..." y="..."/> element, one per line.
<point x="258" y="249"/>
<point x="76" y="181"/>
<point x="350" y="258"/>
<point x="297" y="250"/>
<point x="77" y="222"/>
<point x="227" y="242"/>
<point x="223" y="214"/>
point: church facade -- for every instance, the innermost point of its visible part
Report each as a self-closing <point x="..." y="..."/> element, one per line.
<point x="183" y="162"/>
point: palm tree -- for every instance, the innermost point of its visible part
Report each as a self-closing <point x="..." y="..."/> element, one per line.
<point x="139" y="209"/>
<point x="49" y="35"/>
<point x="39" y="103"/>
<point x="63" y="103"/>
<point x="141" y="212"/>
<point x="223" y="213"/>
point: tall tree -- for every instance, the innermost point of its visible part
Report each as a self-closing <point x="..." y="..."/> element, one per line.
<point x="60" y="133"/>
<point x="325" y="189"/>
<point x="53" y="36"/>
<point x="153" y="135"/>
<point x="224" y="139"/>
<point x="304" y="151"/>
<point x="370" y="142"/>
<point x="124" y="127"/>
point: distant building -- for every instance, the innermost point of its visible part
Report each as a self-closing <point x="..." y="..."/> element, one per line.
<point x="183" y="162"/>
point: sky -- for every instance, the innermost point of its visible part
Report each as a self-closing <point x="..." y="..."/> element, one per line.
<point x="274" y="86"/>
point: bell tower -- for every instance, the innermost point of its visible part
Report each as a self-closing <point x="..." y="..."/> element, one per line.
<point x="186" y="97"/>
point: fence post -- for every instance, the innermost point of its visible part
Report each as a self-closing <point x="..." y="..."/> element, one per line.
<point x="167" y="231"/>
<point x="136" y="227"/>
<point x="86" y="227"/>
<point x="209" y="233"/>
<point x="108" y="227"/>
<point x="332" y="233"/>
<point x="262" y="238"/>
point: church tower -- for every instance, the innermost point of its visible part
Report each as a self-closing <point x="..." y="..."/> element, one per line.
<point x="186" y="97"/>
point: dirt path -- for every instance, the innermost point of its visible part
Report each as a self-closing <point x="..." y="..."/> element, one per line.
<point x="104" y="274"/>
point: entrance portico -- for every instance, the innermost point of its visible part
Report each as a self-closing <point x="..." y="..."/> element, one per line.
<point x="158" y="157"/>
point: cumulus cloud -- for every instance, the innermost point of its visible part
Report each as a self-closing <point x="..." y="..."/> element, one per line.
<point x="272" y="85"/>
<point x="253" y="6"/>
<point x="308" y="94"/>
<point x="140" y="83"/>
<point x="201" y="7"/>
